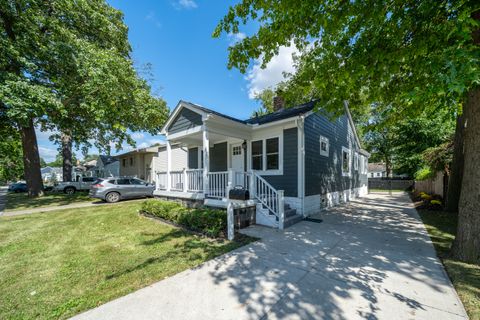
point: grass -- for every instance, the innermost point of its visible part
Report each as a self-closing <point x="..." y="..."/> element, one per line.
<point x="21" y="201"/>
<point x="59" y="264"/>
<point x="441" y="227"/>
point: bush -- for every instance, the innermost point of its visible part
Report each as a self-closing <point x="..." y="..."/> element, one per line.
<point x="210" y="222"/>
<point x="424" y="174"/>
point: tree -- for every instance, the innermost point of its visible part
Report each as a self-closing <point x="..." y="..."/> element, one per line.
<point x="11" y="167"/>
<point x="58" y="162"/>
<point x="411" y="54"/>
<point x="66" y="66"/>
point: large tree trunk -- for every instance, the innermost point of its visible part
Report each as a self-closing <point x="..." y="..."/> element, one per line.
<point x="67" y="157"/>
<point x="455" y="179"/>
<point x="31" y="160"/>
<point x="466" y="246"/>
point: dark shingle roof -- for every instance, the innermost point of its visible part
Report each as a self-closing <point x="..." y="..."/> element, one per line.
<point x="282" y="114"/>
<point x="107" y="159"/>
<point x="271" y="117"/>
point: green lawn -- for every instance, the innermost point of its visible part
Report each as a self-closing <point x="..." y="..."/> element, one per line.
<point x="21" y="201"/>
<point x="58" y="264"/>
<point x="465" y="277"/>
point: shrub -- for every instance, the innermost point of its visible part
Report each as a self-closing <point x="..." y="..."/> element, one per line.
<point x="424" y="174"/>
<point x="436" y="202"/>
<point x="211" y="222"/>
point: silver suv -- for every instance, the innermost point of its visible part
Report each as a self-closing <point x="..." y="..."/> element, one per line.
<point x="116" y="189"/>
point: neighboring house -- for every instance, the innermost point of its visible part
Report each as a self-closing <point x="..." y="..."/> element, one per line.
<point x="107" y="166"/>
<point x="142" y="163"/>
<point x="51" y="174"/>
<point x="377" y="170"/>
<point x="294" y="162"/>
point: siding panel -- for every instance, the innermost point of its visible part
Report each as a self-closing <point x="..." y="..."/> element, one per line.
<point x="288" y="181"/>
<point x="193" y="158"/>
<point x="218" y="157"/>
<point x="186" y="119"/>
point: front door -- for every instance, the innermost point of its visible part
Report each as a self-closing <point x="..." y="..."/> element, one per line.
<point x="237" y="158"/>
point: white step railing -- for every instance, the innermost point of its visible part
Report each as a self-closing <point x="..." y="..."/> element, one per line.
<point x="176" y="180"/>
<point x="217" y="184"/>
<point x="241" y="179"/>
<point x="269" y="197"/>
<point x="194" y="180"/>
<point x="162" y="180"/>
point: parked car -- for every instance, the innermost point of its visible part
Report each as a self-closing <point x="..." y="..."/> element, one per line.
<point x="74" y="186"/>
<point x="116" y="189"/>
<point x="18" y="187"/>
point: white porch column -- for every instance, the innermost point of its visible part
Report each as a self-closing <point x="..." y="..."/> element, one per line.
<point x="169" y="164"/>
<point x="206" y="156"/>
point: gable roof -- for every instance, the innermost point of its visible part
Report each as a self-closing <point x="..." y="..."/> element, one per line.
<point x="283" y="113"/>
<point x="377" y="167"/>
<point x="106" y="160"/>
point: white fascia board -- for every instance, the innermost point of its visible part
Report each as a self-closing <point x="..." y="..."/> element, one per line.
<point x="176" y="111"/>
<point x="184" y="133"/>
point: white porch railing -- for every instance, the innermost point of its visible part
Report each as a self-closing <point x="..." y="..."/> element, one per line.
<point x="241" y="179"/>
<point x="176" y="180"/>
<point x="270" y="198"/>
<point x="162" y="180"/>
<point x="194" y="180"/>
<point x="217" y="184"/>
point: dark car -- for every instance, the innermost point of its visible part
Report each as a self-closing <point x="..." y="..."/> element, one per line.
<point x="116" y="189"/>
<point x="18" y="187"/>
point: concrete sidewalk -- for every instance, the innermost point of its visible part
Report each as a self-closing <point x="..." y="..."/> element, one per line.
<point x="371" y="259"/>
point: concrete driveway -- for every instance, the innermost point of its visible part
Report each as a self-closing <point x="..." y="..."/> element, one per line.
<point x="371" y="259"/>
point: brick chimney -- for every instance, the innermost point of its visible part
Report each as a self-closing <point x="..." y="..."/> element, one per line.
<point x="278" y="103"/>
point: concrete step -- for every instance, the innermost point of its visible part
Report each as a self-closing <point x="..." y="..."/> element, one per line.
<point x="290" y="221"/>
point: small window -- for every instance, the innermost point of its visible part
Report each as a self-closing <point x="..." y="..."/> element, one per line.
<point x="324" y="146"/>
<point x="123" y="181"/>
<point x="257" y="155"/>
<point x="124" y="162"/>
<point x="355" y="161"/>
<point x="272" y="154"/>
<point x="237" y="150"/>
<point x="345" y="161"/>
<point x="111" y="181"/>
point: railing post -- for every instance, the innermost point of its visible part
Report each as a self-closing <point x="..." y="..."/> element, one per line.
<point x="169" y="165"/>
<point x="185" y="187"/>
<point x="231" y="175"/>
<point x="281" y="209"/>
<point x="251" y="186"/>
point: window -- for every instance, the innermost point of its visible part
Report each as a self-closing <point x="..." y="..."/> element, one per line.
<point x="345" y="161"/>
<point x="123" y="181"/>
<point x="324" y="146"/>
<point x="137" y="182"/>
<point x="355" y="161"/>
<point x="272" y="154"/>
<point x="124" y="162"/>
<point x="257" y="155"/>
<point x="237" y="150"/>
<point x="131" y="162"/>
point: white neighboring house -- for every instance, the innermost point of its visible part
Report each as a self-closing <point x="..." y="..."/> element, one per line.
<point x="107" y="166"/>
<point x="51" y="174"/>
<point x="377" y="170"/>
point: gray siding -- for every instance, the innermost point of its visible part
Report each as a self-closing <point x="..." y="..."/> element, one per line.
<point x="289" y="180"/>
<point x="193" y="158"/>
<point x="186" y="119"/>
<point x="324" y="174"/>
<point x="218" y="157"/>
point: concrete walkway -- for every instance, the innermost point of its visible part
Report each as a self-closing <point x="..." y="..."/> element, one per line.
<point x="371" y="259"/>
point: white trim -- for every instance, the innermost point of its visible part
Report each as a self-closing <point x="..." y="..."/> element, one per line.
<point x="325" y="153"/>
<point x="181" y="134"/>
<point x="348" y="151"/>
<point x="181" y="104"/>
<point x="301" y="163"/>
<point x="355" y="161"/>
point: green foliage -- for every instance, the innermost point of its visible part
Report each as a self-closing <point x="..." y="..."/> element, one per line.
<point x="11" y="164"/>
<point x="209" y="221"/>
<point x="424" y="174"/>
<point x="409" y="54"/>
<point x="58" y="162"/>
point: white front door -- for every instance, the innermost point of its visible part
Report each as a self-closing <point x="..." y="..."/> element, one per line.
<point x="237" y="157"/>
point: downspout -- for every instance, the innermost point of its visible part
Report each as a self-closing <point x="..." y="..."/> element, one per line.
<point x="301" y="161"/>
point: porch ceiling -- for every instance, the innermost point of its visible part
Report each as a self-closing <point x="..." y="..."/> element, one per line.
<point x="196" y="139"/>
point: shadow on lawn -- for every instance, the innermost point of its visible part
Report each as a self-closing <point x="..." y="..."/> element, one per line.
<point x="21" y="201"/>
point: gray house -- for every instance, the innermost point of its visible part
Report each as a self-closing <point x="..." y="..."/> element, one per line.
<point x="294" y="162"/>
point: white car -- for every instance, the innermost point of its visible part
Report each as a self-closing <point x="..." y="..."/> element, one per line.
<point x="71" y="187"/>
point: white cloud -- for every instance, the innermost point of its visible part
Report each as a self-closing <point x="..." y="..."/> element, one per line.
<point x="151" y="16"/>
<point x="236" y="37"/>
<point x="138" y="135"/>
<point x="185" y="4"/>
<point x="259" y="79"/>
<point x="48" y="154"/>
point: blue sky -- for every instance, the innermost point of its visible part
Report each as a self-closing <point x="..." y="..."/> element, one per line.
<point x="175" y="37"/>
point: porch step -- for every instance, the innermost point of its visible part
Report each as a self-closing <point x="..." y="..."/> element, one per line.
<point x="291" y="220"/>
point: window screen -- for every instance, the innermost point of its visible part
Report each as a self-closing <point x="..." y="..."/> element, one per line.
<point x="272" y="154"/>
<point x="257" y="155"/>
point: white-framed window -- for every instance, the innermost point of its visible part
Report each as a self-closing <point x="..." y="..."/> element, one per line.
<point x="346" y="162"/>
<point x="237" y="150"/>
<point x="324" y="146"/>
<point x="266" y="155"/>
<point x="355" y="161"/>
